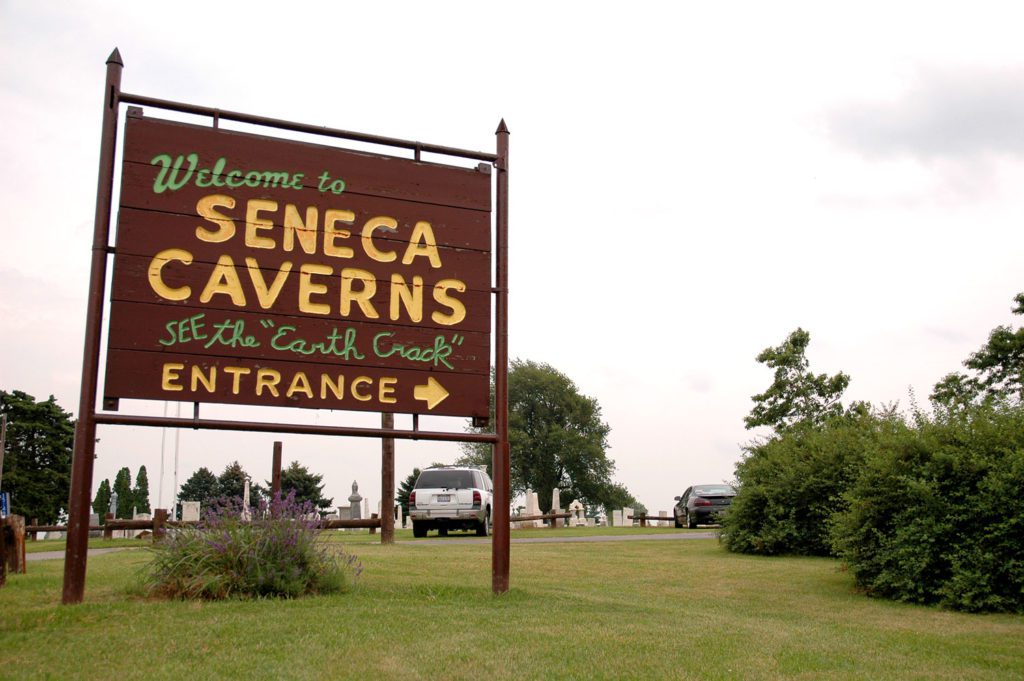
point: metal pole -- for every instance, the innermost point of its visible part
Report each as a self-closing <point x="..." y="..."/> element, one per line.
<point x="163" y="451"/>
<point x="500" y="556"/>
<point x="76" y="553"/>
<point x="3" y="446"/>
<point x="177" y="442"/>
<point x="387" y="482"/>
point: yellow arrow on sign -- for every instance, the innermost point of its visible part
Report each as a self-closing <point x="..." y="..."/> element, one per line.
<point x="433" y="393"/>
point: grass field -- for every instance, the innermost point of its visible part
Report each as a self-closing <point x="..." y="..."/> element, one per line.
<point x="682" y="609"/>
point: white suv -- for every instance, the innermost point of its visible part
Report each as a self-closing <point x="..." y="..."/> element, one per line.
<point x="451" y="497"/>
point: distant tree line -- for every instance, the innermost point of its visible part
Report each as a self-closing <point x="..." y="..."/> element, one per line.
<point x="205" y="487"/>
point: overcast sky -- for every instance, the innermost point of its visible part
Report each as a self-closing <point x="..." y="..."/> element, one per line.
<point x="688" y="186"/>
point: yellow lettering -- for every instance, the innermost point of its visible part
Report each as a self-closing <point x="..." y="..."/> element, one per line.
<point x="309" y="288"/>
<point x="236" y="377"/>
<point x="422" y="243"/>
<point x="267" y="378"/>
<point x="386" y="390"/>
<point x="267" y="295"/>
<point x="458" y="310"/>
<point x="380" y="222"/>
<point x="294" y="226"/>
<point x="168" y="380"/>
<point x="156" y="281"/>
<point x="206" y="207"/>
<point x="299" y="384"/>
<point x="361" y="380"/>
<point x="348" y="276"/>
<point x="337" y="388"/>
<point x="209" y="382"/>
<point x="402" y="295"/>
<point x="254" y="223"/>
<point x="332" y="234"/>
<point x="224" y="280"/>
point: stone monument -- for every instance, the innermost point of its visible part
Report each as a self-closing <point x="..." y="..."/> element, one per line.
<point x="354" y="499"/>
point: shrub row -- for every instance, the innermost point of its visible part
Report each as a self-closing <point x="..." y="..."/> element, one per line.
<point x="926" y="512"/>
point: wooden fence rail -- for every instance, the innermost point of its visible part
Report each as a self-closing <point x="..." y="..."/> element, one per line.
<point x="644" y="518"/>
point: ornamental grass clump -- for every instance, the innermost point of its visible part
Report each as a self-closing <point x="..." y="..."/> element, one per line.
<point x="268" y="551"/>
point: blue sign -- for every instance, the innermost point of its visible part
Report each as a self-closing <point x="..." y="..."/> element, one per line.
<point x="5" y="504"/>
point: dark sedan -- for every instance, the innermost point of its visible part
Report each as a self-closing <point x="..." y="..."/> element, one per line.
<point x="702" y="504"/>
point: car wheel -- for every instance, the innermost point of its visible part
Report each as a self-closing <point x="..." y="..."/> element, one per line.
<point x="419" y="530"/>
<point x="442" y="532"/>
<point x="691" y="522"/>
<point x="483" y="528"/>
<point x="677" y="523"/>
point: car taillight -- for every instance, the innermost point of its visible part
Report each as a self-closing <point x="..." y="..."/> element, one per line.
<point x="701" y="502"/>
<point x="476" y="498"/>
<point x="412" y="498"/>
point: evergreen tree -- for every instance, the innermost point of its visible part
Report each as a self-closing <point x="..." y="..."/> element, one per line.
<point x="307" y="486"/>
<point x="405" y="489"/>
<point x="37" y="456"/>
<point x="232" y="480"/>
<point x="231" y="483"/>
<point x="101" y="502"/>
<point x="202" y="486"/>
<point x="140" y="493"/>
<point x="123" y="490"/>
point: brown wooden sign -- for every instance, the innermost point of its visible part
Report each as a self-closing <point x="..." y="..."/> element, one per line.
<point x="256" y="270"/>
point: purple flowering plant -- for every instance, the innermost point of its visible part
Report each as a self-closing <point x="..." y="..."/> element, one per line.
<point x="271" y="550"/>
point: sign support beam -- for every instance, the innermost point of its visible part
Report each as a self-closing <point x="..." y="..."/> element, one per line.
<point x="77" y="548"/>
<point x="500" y="552"/>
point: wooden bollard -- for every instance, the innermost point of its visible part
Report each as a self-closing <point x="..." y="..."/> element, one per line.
<point x="159" y="524"/>
<point x="373" y="516"/>
<point x="3" y="553"/>
<point x="16" y="545"/>
<point x="108" y="532"/>
<point x="32" y="535"/>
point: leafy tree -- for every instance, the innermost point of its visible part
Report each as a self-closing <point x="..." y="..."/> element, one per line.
<point x="617" y="496"/>
<point x="140" y="493"/>
<point x="997" y="370"/>
<point x="37" y="457"/>
<point x="405" y="489"/>
<point x="101" y="503"/>
<point x="123" y="490"/>
<point x="796" y="395"/>
<point x="556" y="435"/>
<point x="307" y="486"/>
<point x="202" y="486"/>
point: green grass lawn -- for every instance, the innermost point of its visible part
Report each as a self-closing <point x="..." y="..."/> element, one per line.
<point x="682" y="609"/>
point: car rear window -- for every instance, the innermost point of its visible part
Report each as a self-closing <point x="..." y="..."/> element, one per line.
<point x="442" y="478"/>
<point x="714" y="490"/>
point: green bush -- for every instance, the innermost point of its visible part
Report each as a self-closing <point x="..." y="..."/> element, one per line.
<point x="937" y="513"/>
<point x="273" y="553"/>
<point x="790" y="486"/>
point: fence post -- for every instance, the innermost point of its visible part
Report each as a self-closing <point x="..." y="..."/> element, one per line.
<point x="3" y="552"/>
<point x="16" y="551"/>
<point x="159" y="521"/>
<point x="373" y="516"/>
<point x="108" y="532"/>
<point x="32" y="535"/>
